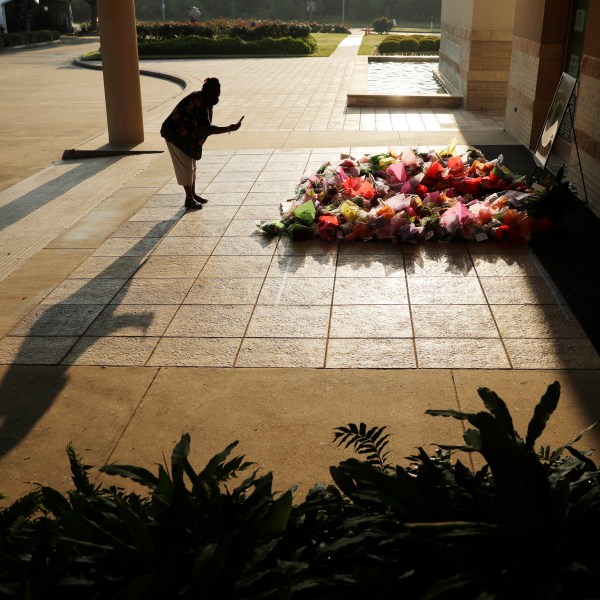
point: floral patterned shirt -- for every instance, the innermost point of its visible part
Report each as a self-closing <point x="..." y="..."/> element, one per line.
<point x="188" y="126"/>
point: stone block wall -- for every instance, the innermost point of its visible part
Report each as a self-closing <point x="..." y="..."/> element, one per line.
<point x="534" y="74"/>
<point x="476" y="64"/>
<point x="587" y="131"/>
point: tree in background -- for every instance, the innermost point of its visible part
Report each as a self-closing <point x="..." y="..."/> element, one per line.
<point x="357" y="12"/>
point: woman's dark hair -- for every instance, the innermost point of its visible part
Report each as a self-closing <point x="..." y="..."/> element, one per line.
<point x="211" y="83"/>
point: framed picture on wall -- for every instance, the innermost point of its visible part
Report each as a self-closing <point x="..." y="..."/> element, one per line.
<point x="556" y="112"/>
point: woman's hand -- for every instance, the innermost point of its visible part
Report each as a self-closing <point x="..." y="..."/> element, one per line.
<point x="234" y="126"/>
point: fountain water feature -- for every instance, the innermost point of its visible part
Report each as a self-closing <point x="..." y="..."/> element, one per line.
<point x="406" y="78"/>
<point x="400" y="82"/>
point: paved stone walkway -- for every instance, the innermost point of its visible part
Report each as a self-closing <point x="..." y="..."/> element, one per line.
<point x="126" y="321"/>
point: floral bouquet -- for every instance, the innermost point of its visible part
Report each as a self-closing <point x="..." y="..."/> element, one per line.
<point x="411" y="197"/>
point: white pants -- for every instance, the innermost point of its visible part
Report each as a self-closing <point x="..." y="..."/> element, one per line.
<point x="184" y="166"/>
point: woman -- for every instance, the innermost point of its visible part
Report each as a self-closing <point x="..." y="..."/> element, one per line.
<point x="185" y="131"/>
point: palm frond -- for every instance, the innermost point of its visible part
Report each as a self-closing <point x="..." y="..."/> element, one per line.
<point x="370" y="442"/>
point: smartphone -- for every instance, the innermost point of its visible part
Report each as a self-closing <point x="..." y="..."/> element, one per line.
<point x="241" y="119"/>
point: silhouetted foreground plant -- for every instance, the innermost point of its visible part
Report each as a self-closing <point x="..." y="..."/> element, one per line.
<point x="526" y="525"/>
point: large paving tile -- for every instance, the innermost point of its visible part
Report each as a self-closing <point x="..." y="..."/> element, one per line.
<point x="85" y="291"/>
<point x="165" y="213"/>
<point x="58" y="320"/>
<point x="460" y="353"/>
<point x="289" y="322"/>
<point x="46" y="408"/>
<point x="291" y="247"/>
<point x="208" y="290"/>
<point x="171" y="267"/>
<point x="282" y="352"/>
<point x="218" y="320"/>
<point x="434" y="249"/>
<point x="297" y="290"/>
<point x="236" y="266"/>
<point x="519" y="290"/>
<point x="107" y="267"/>
<point x="245" y="246"/>
<point x="453" y="321"/>
<point x="552" y="354"/>
<point x="210" y="213"/>
<point x="239" y="176"/>
<point x="154" y="291"/>
<point x="375" y="321"/>
<point x="226" y="198"/>
<point x="445" y="290"/>
<point x="422" y="265"/>
<point x="229" y="185"/>
<point x="239" y="227"/>
<point x="34" y="350"/>
<point x="369" y="353"/>
<point x="140" y="229"/>
<point x="260" y="212"/>
<point x="111" y="351"/>
<point x="536" y="321"/>
<point x="303" y="266"/>
<point x="520" y="265"/>
<point x="186" y="246"/>
<point x="127" y="247"/>
<point x="200" y="228"/>
<point x="370" y="248"/>
<point x="195" y="352"/>
<point x="133" y="320"/>
<point x="162" y="200"/>
<point x="363" y="290"/>
<point x="265" y="187"/>
<point x="258" y="199"/>
<point x="277" y="429"/>
<point x="370" y="266"/>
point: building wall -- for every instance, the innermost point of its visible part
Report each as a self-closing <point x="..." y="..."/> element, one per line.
<point x="587" y="115"/>
<point x="475" y="50"/>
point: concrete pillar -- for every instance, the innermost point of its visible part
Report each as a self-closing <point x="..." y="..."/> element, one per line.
<point x="120" y="66"/>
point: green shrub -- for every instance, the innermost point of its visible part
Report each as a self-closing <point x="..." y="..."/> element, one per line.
<point x="382" y="24"/>
<point x="409" y="44"/>
<point x="24" y="38"/>
<point x="427" y="45"/>
<point x="390" y="47"/>
<point x="220" y="28"/>
<point x="199" y="46"/>
<point x="525" y="525"/>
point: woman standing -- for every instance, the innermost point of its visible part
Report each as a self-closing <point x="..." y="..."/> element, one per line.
<point x="185" y="131"/>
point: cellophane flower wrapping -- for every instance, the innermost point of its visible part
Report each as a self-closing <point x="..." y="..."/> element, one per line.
<point x="410" y="197"/>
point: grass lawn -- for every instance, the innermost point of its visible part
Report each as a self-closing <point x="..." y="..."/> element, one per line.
<point x="369" y="44"/>
<point x="327" y="42"/>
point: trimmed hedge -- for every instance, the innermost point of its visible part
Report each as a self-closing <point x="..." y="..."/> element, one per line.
<point x="399" y="44"/>
<point x="197" y="46"/>
<point x="220" y="28"/>
<point x="24" y="38"/>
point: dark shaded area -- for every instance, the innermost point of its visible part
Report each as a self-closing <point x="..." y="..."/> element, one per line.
<point x="569" y="254"/>
<point x="77" y="154"/>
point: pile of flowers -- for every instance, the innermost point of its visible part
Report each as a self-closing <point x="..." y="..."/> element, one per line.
<point x="407" y="196"/>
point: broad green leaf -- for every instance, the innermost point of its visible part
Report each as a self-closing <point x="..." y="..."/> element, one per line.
<point x="498" y="408"/>
<point x="455" y="414"/>
<point x="54" y="501"/>
<point x="277" y="519"/>
<point x="138" y="529"/>
<point x="544" y="409"/>
<point x="137" y="474"/>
